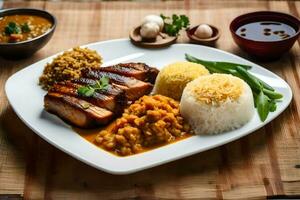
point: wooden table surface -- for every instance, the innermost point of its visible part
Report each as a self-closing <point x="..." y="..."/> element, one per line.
<point x="264" y="164"/>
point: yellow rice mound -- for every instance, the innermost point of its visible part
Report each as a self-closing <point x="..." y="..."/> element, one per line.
<point x="173" y="78"/>
<point x="69" y="65"/>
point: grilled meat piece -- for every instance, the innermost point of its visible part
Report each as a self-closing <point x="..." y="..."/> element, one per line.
<point x="140" y="71"/>
<point x="114" y="101"/>
<point x="126" y="83"/>
<point x="134" y="88"/>
<point x="76" y="111"/>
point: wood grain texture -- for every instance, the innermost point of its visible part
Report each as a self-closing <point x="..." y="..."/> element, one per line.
<point x="263" y="164"/>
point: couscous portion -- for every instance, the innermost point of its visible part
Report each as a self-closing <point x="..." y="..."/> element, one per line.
<point x="68" y="66"/>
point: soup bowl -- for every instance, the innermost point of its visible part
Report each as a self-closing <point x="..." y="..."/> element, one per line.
<point x="28" y="47"/>
<point x="265" y="50"/>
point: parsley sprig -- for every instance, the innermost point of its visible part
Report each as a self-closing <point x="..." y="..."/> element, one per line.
<point x="12" y="28"/>
<point x="172" y="25"/>
<point x="89" y="90"/>
<point x="25" y="28"/>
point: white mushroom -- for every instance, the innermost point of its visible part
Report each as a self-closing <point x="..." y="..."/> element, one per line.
<point x="154" y="18"/>
<point x="203" y="31"/>
<point x="149" y="30"/>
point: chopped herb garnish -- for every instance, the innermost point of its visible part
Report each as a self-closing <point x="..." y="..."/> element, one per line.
<point x="86" y="91"/>
<point x="89" y="90"/>
<point x="12" y="28"/>
<point x="173" y="25"/>
<point x="25" y="28"/>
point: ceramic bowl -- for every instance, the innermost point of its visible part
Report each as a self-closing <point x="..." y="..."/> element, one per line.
<point x="162" y="39"/>
<point x="265" y="50"/>
<point x="28" y="47"/>
<point x="207" y="41"/>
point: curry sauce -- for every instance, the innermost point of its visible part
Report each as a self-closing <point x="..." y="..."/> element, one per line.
<point x="91" y="134"/>
<point x="150" y="122"/>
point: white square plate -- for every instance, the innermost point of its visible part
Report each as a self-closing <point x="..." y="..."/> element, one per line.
<point x="26" y="98"/>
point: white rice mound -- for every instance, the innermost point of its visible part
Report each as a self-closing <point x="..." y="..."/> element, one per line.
<point x="215" y="115"/>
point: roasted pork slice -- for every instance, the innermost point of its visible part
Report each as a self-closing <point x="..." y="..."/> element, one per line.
<point x="114" y="101"/>
<point x="140" y="71"/>
<point x="111" y="89"/>
<point x="134" y="88"/>
<point x="76" y="111"/>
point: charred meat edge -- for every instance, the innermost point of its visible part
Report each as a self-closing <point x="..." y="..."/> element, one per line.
<point x="76" y="111"/>
<point x="140" y="71"/>
<point x="114" y="101"/>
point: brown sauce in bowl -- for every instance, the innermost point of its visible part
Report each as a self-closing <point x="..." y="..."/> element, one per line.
<point x="17" y="28"/>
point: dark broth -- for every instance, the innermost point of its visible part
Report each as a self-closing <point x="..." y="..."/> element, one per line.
<point x="266" y="31"/>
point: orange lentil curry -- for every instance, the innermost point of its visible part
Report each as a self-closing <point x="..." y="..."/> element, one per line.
<point x="17" y="28"/>
<point x="150" y="122"/>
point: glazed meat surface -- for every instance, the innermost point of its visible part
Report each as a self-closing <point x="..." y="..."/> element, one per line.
<point x="140" y="71"/>
<point x="133" y="87"/>
<point x="114" y="101"/>
<point x="76" y="111"/>
<point x="127" y="83"/>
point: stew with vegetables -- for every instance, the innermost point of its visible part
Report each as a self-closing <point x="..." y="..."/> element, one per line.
<point x="17" y="28"/>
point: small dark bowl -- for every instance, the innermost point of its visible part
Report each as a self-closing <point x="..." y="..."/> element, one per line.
<point x="26" y="48"/>
<point x="265" y="50"/>
<point x="207" y="41"/>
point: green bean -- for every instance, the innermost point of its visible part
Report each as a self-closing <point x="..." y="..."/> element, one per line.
<point x="272" y="94"/>
<point x="213" y="70"/>
<point x="272" y="106"/>
<point x="219" y="65"/>
<point x="254" y="84"/>
<point x="263" y="106"/>
<point x="265" y="85"/>
<point x="225" y="66"/>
